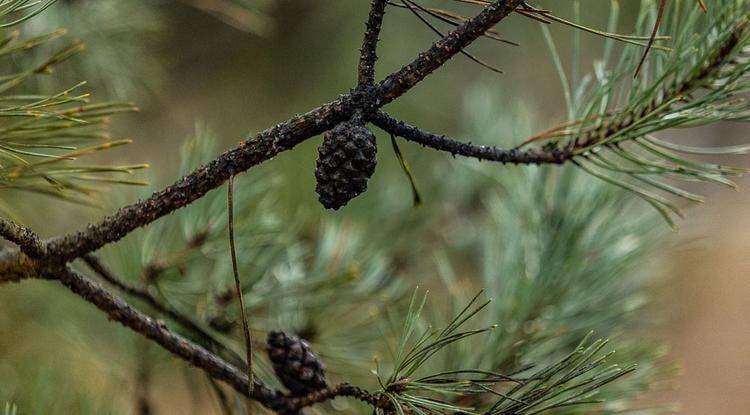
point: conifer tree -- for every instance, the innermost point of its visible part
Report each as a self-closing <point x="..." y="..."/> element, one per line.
<point x="508" y="297"/>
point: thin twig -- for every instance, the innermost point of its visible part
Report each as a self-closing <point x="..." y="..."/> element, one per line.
<point x="587" y="138"/>
<point x="368" y="53"/>
<point x="410" y="5"/>
<point x="403" y="80"/>
<point x="454" y="20"/>
<point x="455" y="147"/>
<point x="237" y="283"/>
<point x="157" y="266"/>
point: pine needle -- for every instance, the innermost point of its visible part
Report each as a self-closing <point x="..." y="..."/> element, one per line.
<point x="417" y="197"/>
<point x="238" y="285"/>
<point x="659" y="20"/>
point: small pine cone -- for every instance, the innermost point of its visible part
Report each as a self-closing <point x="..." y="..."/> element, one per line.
<point x="295" y="364"/>
<point x="346" y="161"/>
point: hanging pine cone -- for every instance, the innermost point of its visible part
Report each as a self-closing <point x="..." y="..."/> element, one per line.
<point x="295" y="364"/>
<point x="346" y="161"/>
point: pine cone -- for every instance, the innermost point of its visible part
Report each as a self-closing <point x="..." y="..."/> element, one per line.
<point x="346" y="161"/>
<point x="295" y="364"/>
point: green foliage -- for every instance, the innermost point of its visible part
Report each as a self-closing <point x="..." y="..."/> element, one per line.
<point x="13" y="12"/>
<point x="572" y="381"/>
<point x="696" y="76"/>
<point x="41" y="135"/>
<point x="113" y="43"/>
<point x="44" y="135"/>
<point x="550" y="248"/>
<point x="698" y="81"/>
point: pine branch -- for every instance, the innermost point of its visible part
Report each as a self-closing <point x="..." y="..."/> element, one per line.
<point x="21" y="268"/>
<point x="290" y="133"/>
<point x="192" y="187"/>
<point x="489" y="153"/>
<point x="275" y="140"/>
<point x="669" y="98"/>
<point x="711" y="83"/>
<point x="25" y="238"/>
<point x="42" y="135"/>
<point x="368" y="53"/>
<point x="560" y="154"/>
<point x="145" y="295"/>
<point x="120" y="311"/>
<point x="616" y="144"/>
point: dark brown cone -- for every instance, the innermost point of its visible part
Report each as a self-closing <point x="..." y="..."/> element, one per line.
<point x="346" y="161"/>
<point x="295" y="364"/>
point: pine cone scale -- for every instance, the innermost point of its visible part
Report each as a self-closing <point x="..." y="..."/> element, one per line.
<point x="346" y="161"/>
<point x="295" y="363"/>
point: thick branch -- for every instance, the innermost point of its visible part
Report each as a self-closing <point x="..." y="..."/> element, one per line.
<point x="368" y="53"/>
<point x="273" y="141"/>
<point x="450" y="145"/>
<point x="249" y="153"/>
<point x="144" y="295"/>
<point x="120" y="311"/>
<point x="24" y="237"/>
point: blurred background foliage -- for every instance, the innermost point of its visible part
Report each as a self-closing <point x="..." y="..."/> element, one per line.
<point x="560" y="253"/>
